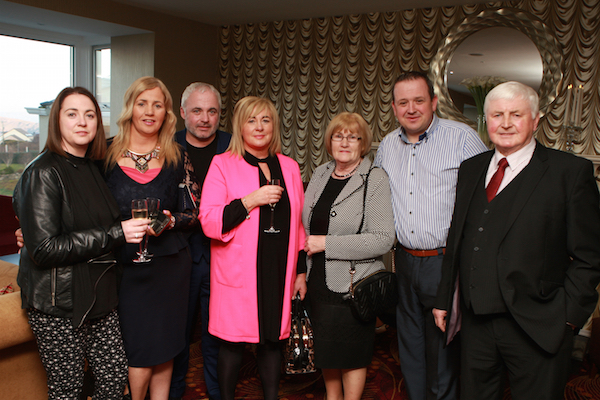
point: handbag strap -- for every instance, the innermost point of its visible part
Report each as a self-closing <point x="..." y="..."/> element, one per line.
<point x="362" y="222"/>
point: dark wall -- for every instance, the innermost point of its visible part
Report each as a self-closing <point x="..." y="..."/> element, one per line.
<point x="185" y="51"/>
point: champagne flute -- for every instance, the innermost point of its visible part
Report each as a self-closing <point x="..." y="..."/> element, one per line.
<point x="139" y="210"/>
<point x="272" y="206"/>
<point x="153" y="210"/>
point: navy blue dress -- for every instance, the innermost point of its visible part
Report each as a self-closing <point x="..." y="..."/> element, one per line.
<point x="153" y="297"/>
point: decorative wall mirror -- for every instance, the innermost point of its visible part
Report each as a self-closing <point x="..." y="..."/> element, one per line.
<point x="547" y="47"/>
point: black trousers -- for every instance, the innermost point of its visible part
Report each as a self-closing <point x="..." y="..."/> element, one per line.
<point x="493" y="345"/>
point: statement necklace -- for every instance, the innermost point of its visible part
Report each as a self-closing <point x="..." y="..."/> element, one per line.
<point x="348" y="174"/>
<point x="141" y="160"/>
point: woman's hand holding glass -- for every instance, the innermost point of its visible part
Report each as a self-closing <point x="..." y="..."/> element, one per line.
<point x="267" y="194"/>
<point x="134" y="229"/>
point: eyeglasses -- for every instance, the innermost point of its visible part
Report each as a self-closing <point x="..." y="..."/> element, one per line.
<point x="338" y="137"/>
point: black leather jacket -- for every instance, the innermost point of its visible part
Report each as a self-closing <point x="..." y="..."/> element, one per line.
<point x="52" y="247"/>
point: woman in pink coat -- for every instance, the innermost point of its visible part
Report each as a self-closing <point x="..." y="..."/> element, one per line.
<point x="253" y="271"/>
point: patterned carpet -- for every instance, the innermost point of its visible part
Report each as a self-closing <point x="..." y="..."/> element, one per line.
<point x="384" y="379"/>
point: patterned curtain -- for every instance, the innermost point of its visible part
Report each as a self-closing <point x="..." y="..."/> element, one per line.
<point x="314" y="69"/>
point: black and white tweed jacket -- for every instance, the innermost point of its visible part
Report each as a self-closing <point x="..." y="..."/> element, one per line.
<point x="343" y="244"/>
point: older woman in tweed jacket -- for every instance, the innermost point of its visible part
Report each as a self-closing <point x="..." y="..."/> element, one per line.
<point x="335" y="202"/>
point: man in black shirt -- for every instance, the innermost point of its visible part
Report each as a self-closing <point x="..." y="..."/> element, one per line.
<point x="201" y="110"/>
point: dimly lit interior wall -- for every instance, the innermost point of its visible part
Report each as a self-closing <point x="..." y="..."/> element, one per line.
<point x="185" y="51"/>
<point x="132" y="56"/>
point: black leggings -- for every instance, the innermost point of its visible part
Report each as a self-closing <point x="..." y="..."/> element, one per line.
<point x="268" y="362"/>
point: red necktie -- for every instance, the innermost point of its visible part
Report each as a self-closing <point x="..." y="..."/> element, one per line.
<point x="492" y="187"/>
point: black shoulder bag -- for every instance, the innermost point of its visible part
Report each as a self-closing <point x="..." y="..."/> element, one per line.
<point x="375" y="293"/>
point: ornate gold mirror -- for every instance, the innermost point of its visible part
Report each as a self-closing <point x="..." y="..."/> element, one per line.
<point x="532" y="27"/>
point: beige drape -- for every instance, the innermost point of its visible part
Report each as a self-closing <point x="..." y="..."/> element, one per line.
<point x="314" y="69"/>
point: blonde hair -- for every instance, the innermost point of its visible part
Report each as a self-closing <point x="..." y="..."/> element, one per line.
<point x="244" y="109"/>
<point x="354" y="123"/>
<point x="170" y="151"/>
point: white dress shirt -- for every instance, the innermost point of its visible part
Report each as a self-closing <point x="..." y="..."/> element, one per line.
<point x="517" y="161"/>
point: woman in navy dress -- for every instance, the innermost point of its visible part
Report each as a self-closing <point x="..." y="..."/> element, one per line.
<point x="144" y="161"/>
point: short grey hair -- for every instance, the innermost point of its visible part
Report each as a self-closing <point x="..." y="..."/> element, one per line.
<point x="201" y="87"/>
<point x="512" y="90"/>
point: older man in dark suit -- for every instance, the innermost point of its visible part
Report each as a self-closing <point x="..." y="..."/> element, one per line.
<point x="524" y="248"/>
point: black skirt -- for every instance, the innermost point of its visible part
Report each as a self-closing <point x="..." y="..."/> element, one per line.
<point x="341" y="340"/>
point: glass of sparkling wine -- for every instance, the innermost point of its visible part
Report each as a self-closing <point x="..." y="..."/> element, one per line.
<point x="153" y="210"/>
<point x="139" y="210"/>
<point x="272" y="227"/>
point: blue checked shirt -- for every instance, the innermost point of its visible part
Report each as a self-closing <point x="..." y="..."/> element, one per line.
<point x="423" y="179"/>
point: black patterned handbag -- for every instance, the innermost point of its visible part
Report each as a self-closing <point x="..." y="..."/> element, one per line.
<point x="375" y="293"/>
<point x="299" y="351"/>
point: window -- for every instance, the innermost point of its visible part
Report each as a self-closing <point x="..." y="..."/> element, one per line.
<point x="102" y="83"/>
<point x="102" y="74"/>
<point x="32" y="73"/>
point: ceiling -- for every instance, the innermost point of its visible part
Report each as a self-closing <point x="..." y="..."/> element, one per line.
<point x="217" y="13"/>
<point x="33" y="18"/>
<point x="232" y="12"/>
<point x="523" y="55"/>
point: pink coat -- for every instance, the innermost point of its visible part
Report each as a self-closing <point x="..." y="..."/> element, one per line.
<point x="233" y="305"/>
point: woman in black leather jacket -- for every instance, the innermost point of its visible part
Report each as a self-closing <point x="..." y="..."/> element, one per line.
<point x="68" y="274"/>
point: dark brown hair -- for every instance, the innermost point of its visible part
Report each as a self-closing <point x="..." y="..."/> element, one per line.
<point x="97" y="148"/>
<point x="411" y="76"/>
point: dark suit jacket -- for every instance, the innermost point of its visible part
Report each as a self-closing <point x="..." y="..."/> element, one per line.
<point x="548" y="258"/>
<point x="199" y="243"/>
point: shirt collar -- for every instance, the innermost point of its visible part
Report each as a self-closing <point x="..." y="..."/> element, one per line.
<point x="518" y="157"/>
<point x="425" y="135"/>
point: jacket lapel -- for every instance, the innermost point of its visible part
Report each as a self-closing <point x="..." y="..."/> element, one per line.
<point x="469" y="179"/>
<point x="321" y="181"/>
<point x="533" y="173"/>
<point x="356" y="182"/>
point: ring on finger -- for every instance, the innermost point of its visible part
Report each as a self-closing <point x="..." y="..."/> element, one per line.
<point x="136" y="235"/>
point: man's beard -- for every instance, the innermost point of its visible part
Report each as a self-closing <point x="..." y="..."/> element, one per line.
<point x="200" y="134"/>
